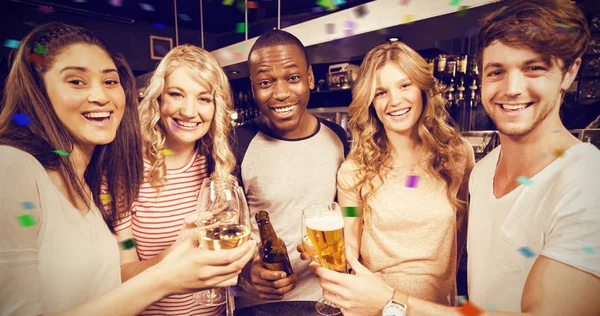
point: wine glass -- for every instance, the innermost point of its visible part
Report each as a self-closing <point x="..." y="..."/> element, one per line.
<point x="323" y="240"/>
<point x="223" y="223"/>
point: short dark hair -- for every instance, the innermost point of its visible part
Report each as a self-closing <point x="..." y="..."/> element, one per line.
<point x="276" y="38"/>
<point x="551" y="28"/>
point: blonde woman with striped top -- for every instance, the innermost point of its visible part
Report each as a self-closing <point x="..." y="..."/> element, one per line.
<point x="185" y="127"/>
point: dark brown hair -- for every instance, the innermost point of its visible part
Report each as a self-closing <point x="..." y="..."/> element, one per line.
<point x="120" y="161"/>
<point x="555" y="29"/>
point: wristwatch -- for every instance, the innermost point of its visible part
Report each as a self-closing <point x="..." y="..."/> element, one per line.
<point x="396" y="306"/>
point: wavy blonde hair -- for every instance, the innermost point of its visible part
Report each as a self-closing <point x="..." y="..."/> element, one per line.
<point x="370" y="148"/>
<point x="215" y="144"/>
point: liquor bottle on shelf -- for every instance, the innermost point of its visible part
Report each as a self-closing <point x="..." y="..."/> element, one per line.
<point x="440" y="74"/>
<point x="431" y="63"/>
<point x="461" y="70"/>
<point x="473" y="105"/>
<point x="461" y="109"/>
<point x="451" y="68"/>
<point x="272" y="250"/>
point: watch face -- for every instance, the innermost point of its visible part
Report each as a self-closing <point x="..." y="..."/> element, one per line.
<point x="394" y="310"/>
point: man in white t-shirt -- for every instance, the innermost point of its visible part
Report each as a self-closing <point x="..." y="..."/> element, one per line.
<point x="534" y="222"/>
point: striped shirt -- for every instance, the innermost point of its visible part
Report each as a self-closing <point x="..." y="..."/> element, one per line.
<point x="156" y="219"/>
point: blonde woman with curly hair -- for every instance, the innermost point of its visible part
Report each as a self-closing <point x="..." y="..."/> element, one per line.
<point x="407" y="172"/>
<point x="185" y="128"/>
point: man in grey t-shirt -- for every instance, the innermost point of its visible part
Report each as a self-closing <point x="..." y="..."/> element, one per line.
<point x="287" y="159"/>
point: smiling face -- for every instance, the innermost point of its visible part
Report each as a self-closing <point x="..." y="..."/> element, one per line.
<point x="398" y="101"/>
<point x="520" y="90"/>
<point x="85" y="91"/>
<point x="281" y="83"/>
<point x="187" y="108"/>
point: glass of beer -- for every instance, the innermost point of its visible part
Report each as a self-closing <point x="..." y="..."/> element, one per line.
<point x="323" y="240"/>
<point x="223" y="223"/>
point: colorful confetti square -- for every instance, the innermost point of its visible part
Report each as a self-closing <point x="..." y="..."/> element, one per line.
<point x="589" y="250"/>
<point x="317" y="9"/>
<point x="37" y="59"/>
<point x="159" y="26"/>
<point x="350" y="211"/>
<point x="27" y="205"/>
<point x="21" y="119"/>
<point x="228" y="2"/>
<point x="240" y="27"/>
<point x="60" y="152"/>
<point x="46" y="9"/>
<point x="412" y="181"/>
<point x="454" y="3"/>
<point x="558" y="153"/>
<point x="469" y="310"/>
<point x="330" y="28"/>
<point x="11" y="43"/>
<point x="462" y="11"/>
<point x="462" y="299"/>
<point x="339" y="2"/>
<point x="105" y="198"/>
<point x="147" y="7"/>
<point x="408" y="18"/>
<point x="361" y="11"/>
<point x="404" y="2"/>
<point x="41" y="49"/>
<point x="127" y="244"/>
<point x="26" y="220"/>
<point x="116" y="3"/>
<point x="166" y="152"/>
<point x="252" y="5"/>
<point x="526" y="252"/>
<point x="524" y="181"/>
<point x="350" y="24"/>
<point x="185" y="17"/>
<point x="328" y="4"/>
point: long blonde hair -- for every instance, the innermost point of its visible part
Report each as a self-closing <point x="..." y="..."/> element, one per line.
<point x="370" y="148"/>
<point x="215" y="144"/>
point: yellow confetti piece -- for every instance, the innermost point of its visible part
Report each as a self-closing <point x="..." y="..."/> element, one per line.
<point x="558" y="153"/>
<point x="408" y="18"/>
<point x="105" y="198"/>
<point x="166" y="152"/>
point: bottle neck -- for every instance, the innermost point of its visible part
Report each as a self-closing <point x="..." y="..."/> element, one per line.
<point x="266" y="230"/>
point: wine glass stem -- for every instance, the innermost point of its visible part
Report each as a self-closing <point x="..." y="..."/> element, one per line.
<point x="228" y="306"/>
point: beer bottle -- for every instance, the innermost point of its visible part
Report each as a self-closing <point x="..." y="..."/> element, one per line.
<point x="272" y="250"/>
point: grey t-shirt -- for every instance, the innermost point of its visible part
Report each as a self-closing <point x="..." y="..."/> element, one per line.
<point x="282" y="177"/>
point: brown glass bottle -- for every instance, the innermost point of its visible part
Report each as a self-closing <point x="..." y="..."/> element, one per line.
<point x="272" y="250"/>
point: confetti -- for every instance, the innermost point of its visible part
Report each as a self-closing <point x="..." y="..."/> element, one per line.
<point x="147" y="7"/>
<point x="350" y="211"/>
<point x="185" y="17"/>
<point x="27" y="205"/>
<point x="317" y="9"/>
<point x="11" y="43"/>
<point x="558" y="153"/>
<point x="404" y="2"/>
<point x="159" y="26"/>
<point x="37" y="59"/>
<point x="228" y="2"/>
<point x="589" y="250"/>
<point x="105" y="198"/>
<point x="21" y="119"/>
<point x="240" y="27"/>
<point x="46" y="9"/>
<point x="462" y="299"/>
<point x="361" y="11"/>
<point x="252" y="5"/>
<point x="454" y="3"/>
<point x="561" y="28"/>
<point x="166" y="152"/>
<point x="327" y="4"/>
<point x="408" y="19"/>
<point x="524" y="181"/>
<point x="555" y="131"/>
<point x="412" y="181"/>
<point x="116" y="3"/>
<point x="26" y="220"/>
<point x="60" y="152"/>
<point x="469" y="310"/>
<point x="127" y="244"/>
<point x="350" y="24"/>
<point x="526" y="252"/>
<point x="491" y="307"/>
<point x="462" y="11"/>
<point x="329" y="28"/>
<point x="41" y="49"/>
<point x="339" y="2"/>
<point x="80" y="1"/>
<point x="348" y="33"/>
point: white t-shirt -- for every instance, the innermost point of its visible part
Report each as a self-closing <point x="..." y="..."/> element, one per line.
<point x="65" y="260"/>
<point x="558" y="216"/>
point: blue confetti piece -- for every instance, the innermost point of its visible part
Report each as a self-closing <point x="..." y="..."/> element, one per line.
<point x="159" y="26"/>
<point x="11" y="43"/>
<point x="21" y="119"/>
<point x="412" y="181"/>
<point x="339" y="2"/>
<point x="185" y="17"/>
<point x="524" y="181"/>
<point x="491" y="307"/>
<point x="526" y="252"/>
<point x="27" y="205"/>
<point x="555" y="131"/>
<point x="589" y="250"/>
<point x="147" y="7"/>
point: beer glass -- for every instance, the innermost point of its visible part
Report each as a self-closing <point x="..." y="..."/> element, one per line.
<point x="323" y="240"/>
<point x="223" y="223"/>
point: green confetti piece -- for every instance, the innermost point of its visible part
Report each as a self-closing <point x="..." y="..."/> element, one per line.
<point x="60" y="152"/>
<point x="228" y="2"/>
<point x="41" y="49"/>
<point x="127" y="244"/>
<point x="350" y="211"/>
<point x="462" y="11"/>
<point x="240" y="27"/>
<point x="589" y="250"/>
<point x="561" y="25"/>
<point x="26" y="220"/>
<point x="454" y="3"/>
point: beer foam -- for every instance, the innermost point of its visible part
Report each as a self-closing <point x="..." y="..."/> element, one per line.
<point x="324" y="223"/>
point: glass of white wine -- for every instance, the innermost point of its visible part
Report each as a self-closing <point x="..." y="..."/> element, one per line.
<point x="323" y="241"/>
<point x="223" y="223"/>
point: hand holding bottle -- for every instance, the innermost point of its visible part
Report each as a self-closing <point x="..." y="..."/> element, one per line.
<point x="271" y="285"/>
